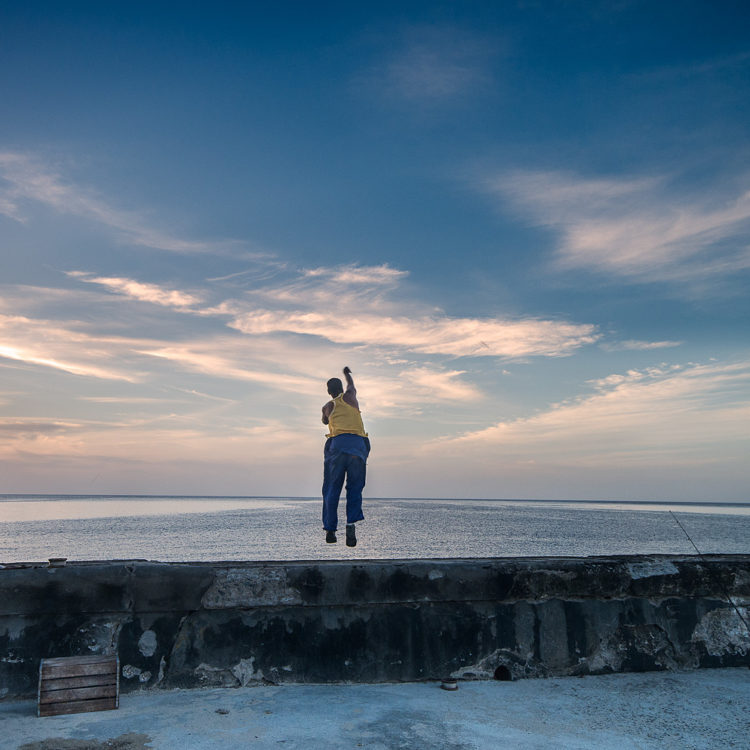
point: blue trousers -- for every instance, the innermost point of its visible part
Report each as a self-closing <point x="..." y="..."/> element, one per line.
<point x="338" y="466"/>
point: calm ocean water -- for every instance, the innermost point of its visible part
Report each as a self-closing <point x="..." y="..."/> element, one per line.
<point x="256" y="528"/>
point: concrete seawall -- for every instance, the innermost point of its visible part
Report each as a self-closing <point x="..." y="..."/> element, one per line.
<point x="230" y="624"/>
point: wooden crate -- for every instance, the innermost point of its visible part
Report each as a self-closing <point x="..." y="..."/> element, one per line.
<point x="74" y="684"/>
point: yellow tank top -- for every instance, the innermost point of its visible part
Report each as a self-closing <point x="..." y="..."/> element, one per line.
<point x="344" y="418"/>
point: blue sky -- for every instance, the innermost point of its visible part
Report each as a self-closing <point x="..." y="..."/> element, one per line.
<point x="524" y="226"/>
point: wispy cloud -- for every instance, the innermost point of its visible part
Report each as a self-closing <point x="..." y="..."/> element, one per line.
<point x="122" y="399"/>
<point x="34" y="427"/>
<point x="433" y="64"/>
<point x="660" y="414"/>
<point x="48" y="344"/>
<point x="26" y="178"/>
<point x="79" y="349"/>
<point x="140" y="290"/>
<point x="370" y="313"/>
<point x="633" y="228"/>
<point x="383" y="275"/>
<point x="266" y="267"/>
<point x="442" y="385"/>
<point x="438" y="334"/>
<point x="71" y="346"/>
<point x="206" y="357"/>
<point x="635" y="345"/>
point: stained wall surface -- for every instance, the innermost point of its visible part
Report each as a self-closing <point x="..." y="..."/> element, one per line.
<point x="231" y="624"/>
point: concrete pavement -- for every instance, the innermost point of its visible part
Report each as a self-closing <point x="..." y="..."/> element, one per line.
<point x="707" y="708"/>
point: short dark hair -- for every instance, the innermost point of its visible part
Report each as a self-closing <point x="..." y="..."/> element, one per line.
<point x="335" y="386"/>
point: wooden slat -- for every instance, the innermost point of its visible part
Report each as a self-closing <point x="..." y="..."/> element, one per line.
<point x="78" y="694"/>
<point x="74" y="669"/>
<point x="77" y="707"/>
<point x="57" y="661"/>
<point x="80" y="660"/>
<point x="89" y="680"/>
<point x="87" y="659"/>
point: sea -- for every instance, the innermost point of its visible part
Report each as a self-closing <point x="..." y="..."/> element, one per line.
<point x="106" y="527"/>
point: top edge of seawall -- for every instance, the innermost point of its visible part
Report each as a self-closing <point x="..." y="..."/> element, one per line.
<point x="537" y="559"/>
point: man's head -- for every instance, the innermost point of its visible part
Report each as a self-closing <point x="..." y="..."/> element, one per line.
<point x="335" y="387"/>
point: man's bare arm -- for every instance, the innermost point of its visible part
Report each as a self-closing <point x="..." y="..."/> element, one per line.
<point x="327" y="409"/>
<point x="350" y="394"/>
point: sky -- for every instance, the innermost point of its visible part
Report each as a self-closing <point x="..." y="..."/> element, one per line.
<point x="525" y="226"/>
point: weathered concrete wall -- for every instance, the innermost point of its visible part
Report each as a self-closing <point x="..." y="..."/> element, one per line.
<point x="201" y="624"/>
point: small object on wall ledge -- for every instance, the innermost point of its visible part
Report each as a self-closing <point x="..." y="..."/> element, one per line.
<point x="75" y="684"/>
<point x="57" y="562"/>
<point x="449" y="684"/>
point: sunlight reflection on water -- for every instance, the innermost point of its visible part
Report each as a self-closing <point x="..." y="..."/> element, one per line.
<point x="44" y="509"/>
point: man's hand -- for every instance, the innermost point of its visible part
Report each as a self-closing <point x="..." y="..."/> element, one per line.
<point x="347" y="371"/>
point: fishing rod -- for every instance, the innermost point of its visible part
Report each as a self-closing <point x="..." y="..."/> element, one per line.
<point x="716" y="578"/>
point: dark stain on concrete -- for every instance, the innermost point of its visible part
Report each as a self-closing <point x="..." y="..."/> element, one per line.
<point x="536" y="637"/>
<point x="130" y="741"/>
<point x="411" y="730"/>
<point x="359" y="584"/>
<point x="311" y="584"/>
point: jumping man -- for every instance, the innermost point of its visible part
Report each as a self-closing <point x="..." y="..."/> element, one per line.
<point x="345" y="455"/>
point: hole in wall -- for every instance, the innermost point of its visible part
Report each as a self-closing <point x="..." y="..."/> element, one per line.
<point x="503" y="674"/>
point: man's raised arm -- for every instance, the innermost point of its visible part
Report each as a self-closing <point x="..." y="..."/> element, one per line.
<point x="350" y="394"/>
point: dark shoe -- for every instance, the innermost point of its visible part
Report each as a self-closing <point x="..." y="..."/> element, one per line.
<point x="351" y="535"/>
<point x="331" y="537"/>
